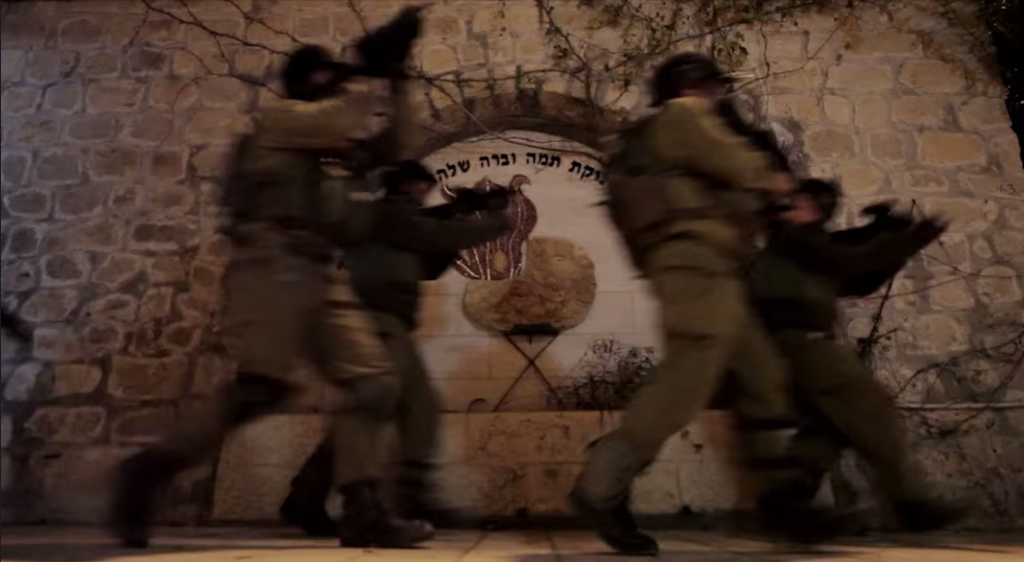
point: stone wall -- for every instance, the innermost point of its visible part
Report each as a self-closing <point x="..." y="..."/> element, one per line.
<point x="116" y="119"/>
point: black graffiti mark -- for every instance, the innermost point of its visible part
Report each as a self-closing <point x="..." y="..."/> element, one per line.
<point x="1010" y="189"/>
<point x="544" y="159"/>
<point x="451" y="170"/>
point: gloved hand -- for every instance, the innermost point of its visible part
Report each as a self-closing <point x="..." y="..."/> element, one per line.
<point x="887" y="217"/>
<point x="929" y="229"/>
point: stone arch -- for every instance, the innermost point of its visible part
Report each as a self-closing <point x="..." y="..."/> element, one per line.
<point x="552" y="113"/>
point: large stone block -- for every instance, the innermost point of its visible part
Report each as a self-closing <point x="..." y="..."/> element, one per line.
<point x="933" y="334"/>
<point x="142" y="426"/>
<point x="890" y="147"/>
<point x="928" y="76"/>
<point x="23" y="381"/>
<point x="860" y="76"/>
<point x="66" y="425"/>
<point x="115" y="269"/>
<point x="891" y="43"/>
<point x="802" y="108"/>
<point x="214" y="126"/>
<point x="830" y="144"/>
<point x="58" y="344"/>
<point x="838" y="109"/>
<point x="147" y="379"/>
<point x="951" y="149"/>
<point x="82" y="201"/>
<point x="80" y="33"/>
<point x="49" y="66"/>
<point x="29" y="204"/>
<point x="964" y="214"/>
<point x="114" y="163"/>
<point x="114" y="96"/>
<point x="872" y="112"/>
<point x="98" y="235"/>
<point x="63" y="98"/>
<point x="20" y="100"/>
<point x="1008" y="151"/>
<point x="919" y="110"/>
<point x="164" y="236"/>
<point x="92" y="128"/>
<point x="59" y="167"/>
<point x="948" y="294"/>
<point x="999" y="284"/>
<point x="71" y="379"/>
<point x="22" y="241"/>
<point x="980" y="114"/>
<point x="12" y="66"/>
<point x="50" y="305"/>
<point x="99" y="65"/>
<point x="37" y="132"/>
<point x="14" y="168"/>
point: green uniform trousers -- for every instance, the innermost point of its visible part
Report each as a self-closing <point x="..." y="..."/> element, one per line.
<point x="708" y="329"/>
<point x="418" y="417"/>
<point x="845" y="406"/>
<point x="282" y="308"/>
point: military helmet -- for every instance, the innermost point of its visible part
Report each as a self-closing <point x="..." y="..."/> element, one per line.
<point x="825" y="193"/>
<point x="682" y="71"/>
<point x="306" y="60"/>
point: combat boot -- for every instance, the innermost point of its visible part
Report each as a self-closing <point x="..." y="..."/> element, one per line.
<point x="139" y="480"/>
<point x="791" y="518"/>
<point x="922" y="516"/>
<point x="416" y="500"/>
<point x="366" y="522"/>
<point x="311" y="517"/>
<point x="615" y="526"/>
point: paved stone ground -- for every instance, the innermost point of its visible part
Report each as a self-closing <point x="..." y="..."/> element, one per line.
<point x="260" y="545"/>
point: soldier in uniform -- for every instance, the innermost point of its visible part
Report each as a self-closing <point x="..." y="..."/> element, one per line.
<point x="409" y="244"/>
<point x="796" y="283"/>
<point x="686" y="193"/>
<point x="286" y="224"/>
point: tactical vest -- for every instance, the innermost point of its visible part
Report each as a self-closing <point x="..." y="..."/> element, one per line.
<point x="649" y="204"/>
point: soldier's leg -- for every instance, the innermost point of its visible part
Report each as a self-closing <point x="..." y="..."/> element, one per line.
<point x="265" y="312"/>
<point x="304" y="507"/>
<point x="816" y="448"/>
<point x="844" y="391"/>
<point x="353" y="355"/>
<point x="701" y="316"/>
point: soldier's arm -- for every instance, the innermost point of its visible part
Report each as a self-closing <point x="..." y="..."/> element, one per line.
<point x="815" y="251"/>
<point x="419" y="233"/>
<point x="689" y="134"/>
<point x="434" y="265"/>
<point x="400" y="139"/>
<point x="333" y="124"/>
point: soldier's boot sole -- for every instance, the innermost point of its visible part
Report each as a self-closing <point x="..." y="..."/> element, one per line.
<point x="615" y="527"/>
<point x="311" y="519"/>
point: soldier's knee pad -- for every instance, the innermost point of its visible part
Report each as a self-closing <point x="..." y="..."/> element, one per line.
<point x="252" y="394"/>
<point x="376" y="397"/>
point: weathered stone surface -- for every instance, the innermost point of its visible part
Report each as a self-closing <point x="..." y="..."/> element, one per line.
<point x="922" y="180"/>
<point x="12" y="65"/>
<point x="102" y="337"/>
<point x="993" y="186"/>
<point x="81" y="201"/>
<point x="116" y="269"/>
<point x="38" y="132"/>
<point x="80" y="32"/>
<point x="919" y="110"/>
<point x="168" y="164"/>
<point x="57" y="424"/>
<point x="860" y="178"/>
<point x="872" y="112"/>
<point x="31" y="204"/>
<point x="64" y="269"/>
<point x="999" y="284"/>
<point x="860" y="76"/>
<point x="142" y="426"/>
<point x="24" y="31"/>
<point x="801" y="108"/>
<point x="173" y="93"/>
<point x="125" y="199"/>
<point x="166" y="269"/>
<point x="172" y="200"/>
<point x="955" y="255"/>
<point x="58" y="344"/>
<point x="950" y="294"/>
<point x="1009" y="244"/>
<point x="931" y="334"/>
<point x="438" y="58"/>
<point x="214" y="125"/>
<point x="222" y="91"/>
<point x="147" y="61"/>
<point x="164" y="237"/>
<point x="1008" y="151"/>
<point x="100" y="65"/>
<point x="14" y="168"/>
<point x="932" y="76"/>
<point x="147" y="379"/>
<point x="70" y="379"/>
<point x="93" y="128"/>
<point x="20" y="100"/>
<point x="979" y="114"/>
<point x="47" y="66"/>
<point x="19" y="276"/>
<point x="964" y="214"/>
<point x="182" y="336"/>
<point x="209" y="162"/>
<point x="59" y="167"/>
<point x="830" y="144"/>
<point x="838" y="109"/>
<point x="22" y="384"/>
<point x="950" y="149"/>
<point x="50" y="305"/>
<point x="151" y="127"/>
<point x="64" y="98"/>
<point x="22" y="241"/>
<point x="114" y="96"/>
<point x="156" y="303"/>
<point x="205" y="277"/>
<point x="114" y="307"/>
<point x="888" y="43"/>
<point x="251" y="61"/>
<point x="890" y="147"/>
<point x="113" y="163"/>
<point x="98" y="235"/>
